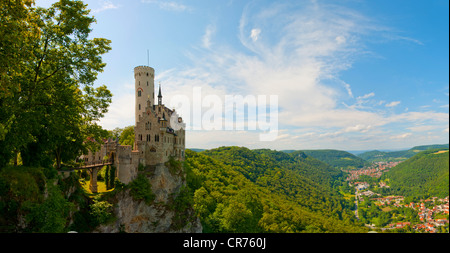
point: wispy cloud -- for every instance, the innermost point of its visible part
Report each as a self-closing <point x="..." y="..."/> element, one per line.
<point x="393" y="104"/>
<point x="169" y="5"/>
<point x="207" y="37"/>
<point x="402" y="136"/>
<point x="306" y="47"/>
<point x="105" y="5"/>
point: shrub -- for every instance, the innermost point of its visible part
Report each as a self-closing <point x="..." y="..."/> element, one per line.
<point x="141" y="189"/>
<point x="52" y="215"/>
<point x="101" y="211"/>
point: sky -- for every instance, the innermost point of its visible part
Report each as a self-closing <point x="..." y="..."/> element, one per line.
<point x="348" y="75"/>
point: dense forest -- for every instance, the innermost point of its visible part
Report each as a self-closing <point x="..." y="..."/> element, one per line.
<point x="383" y="156"/>
<point x="337" y="158"/>
<point x="241" y="190"/>
<point x="424" y="175"/>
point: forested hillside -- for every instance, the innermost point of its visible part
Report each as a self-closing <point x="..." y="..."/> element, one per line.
<point x="378" y="156"/>
<point x="425" y="174"/>
<point x="242" y="190"/>
<point x="337" y="158"/>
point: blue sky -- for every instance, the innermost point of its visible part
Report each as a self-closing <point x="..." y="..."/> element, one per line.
<point x="350" y="75"/>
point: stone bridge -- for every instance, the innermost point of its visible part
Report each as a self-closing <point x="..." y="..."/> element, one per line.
<point x="93" y="168"/>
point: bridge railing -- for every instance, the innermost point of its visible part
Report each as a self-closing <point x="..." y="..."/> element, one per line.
<point x="84" y="165"/>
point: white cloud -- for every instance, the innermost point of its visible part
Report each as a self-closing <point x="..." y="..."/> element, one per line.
<point x="349" y="89"/>
<point x="209" y="32"/>
<point x="393" y="104"/>
<point x="340" y="39"/>
<point x="422" y="128"/>
<point x="299" y="60"/>
<point x="254" y="34"/>
<point x="367" y="96"/>
<point x="121" y="110"/>
<point x="105" y="5"/>
<point x="402" y="136"/>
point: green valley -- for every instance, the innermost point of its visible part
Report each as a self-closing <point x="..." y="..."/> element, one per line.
<point x="241" y="190"/>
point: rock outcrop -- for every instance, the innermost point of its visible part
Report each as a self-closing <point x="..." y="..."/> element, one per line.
<point x="137" y="216"/>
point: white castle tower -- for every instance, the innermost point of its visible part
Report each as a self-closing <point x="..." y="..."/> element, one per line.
<point x="144" y="78"/>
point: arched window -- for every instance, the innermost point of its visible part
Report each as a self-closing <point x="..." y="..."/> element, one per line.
<point x="139" y="93"/>
<point x="139" y="106"/>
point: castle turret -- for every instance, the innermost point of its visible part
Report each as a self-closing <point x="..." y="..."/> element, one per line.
<point x="144" y="78"/>
<point x="159" y="95"/>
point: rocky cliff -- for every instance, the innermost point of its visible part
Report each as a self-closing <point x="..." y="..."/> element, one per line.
<point x="162" y="215"/>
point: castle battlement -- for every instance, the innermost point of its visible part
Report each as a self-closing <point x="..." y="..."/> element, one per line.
<point x="143" y="70"/>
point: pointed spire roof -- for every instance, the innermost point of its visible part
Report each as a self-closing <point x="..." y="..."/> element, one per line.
<point x="159" y="94"/>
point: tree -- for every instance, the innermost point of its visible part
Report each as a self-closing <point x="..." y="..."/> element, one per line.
<point x="50" y="109"/>
<point x="127" y="136"/>
<point x="115" y="133"/>
<point x="17" y="32"/>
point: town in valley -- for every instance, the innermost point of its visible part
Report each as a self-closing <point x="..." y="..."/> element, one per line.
<point x="389" y="213"/>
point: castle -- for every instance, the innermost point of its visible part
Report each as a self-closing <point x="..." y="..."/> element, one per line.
<point x="156" y="140"/>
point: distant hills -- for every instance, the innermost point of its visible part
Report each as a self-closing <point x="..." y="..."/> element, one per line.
<point x="347" y="160"/>
<point x="378" y="156"/>
<point x="336" y="158"/>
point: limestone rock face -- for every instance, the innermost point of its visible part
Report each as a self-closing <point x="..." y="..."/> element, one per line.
<point x="135" y="216"/>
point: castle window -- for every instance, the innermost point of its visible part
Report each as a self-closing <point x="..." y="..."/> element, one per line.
<point x="147" y="75"/>
<point x="139" y="93"/>
<point x="139" y="106"/>
<point x="147" y="81"/>
<point x="139" y="82"/>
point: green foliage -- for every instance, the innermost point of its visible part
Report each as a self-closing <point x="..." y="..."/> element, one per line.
<point x="174" y="166"/>
<point x="380" y="156"/>
<point x="26" y="194"/>
<point x="48" y="105"/>
<point x="51" y="215"/>
<point x="182" y="205"/>
<point x="127" y="136"/>
<point x="240" y="190"/>
<point x="101" y="211"/>
<point x="140" y="189"/>
<point x="369" y="213"/>
<point x="425" y="174"/>
<point x="337" y="158"/>
<point x="112" y="177"/>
